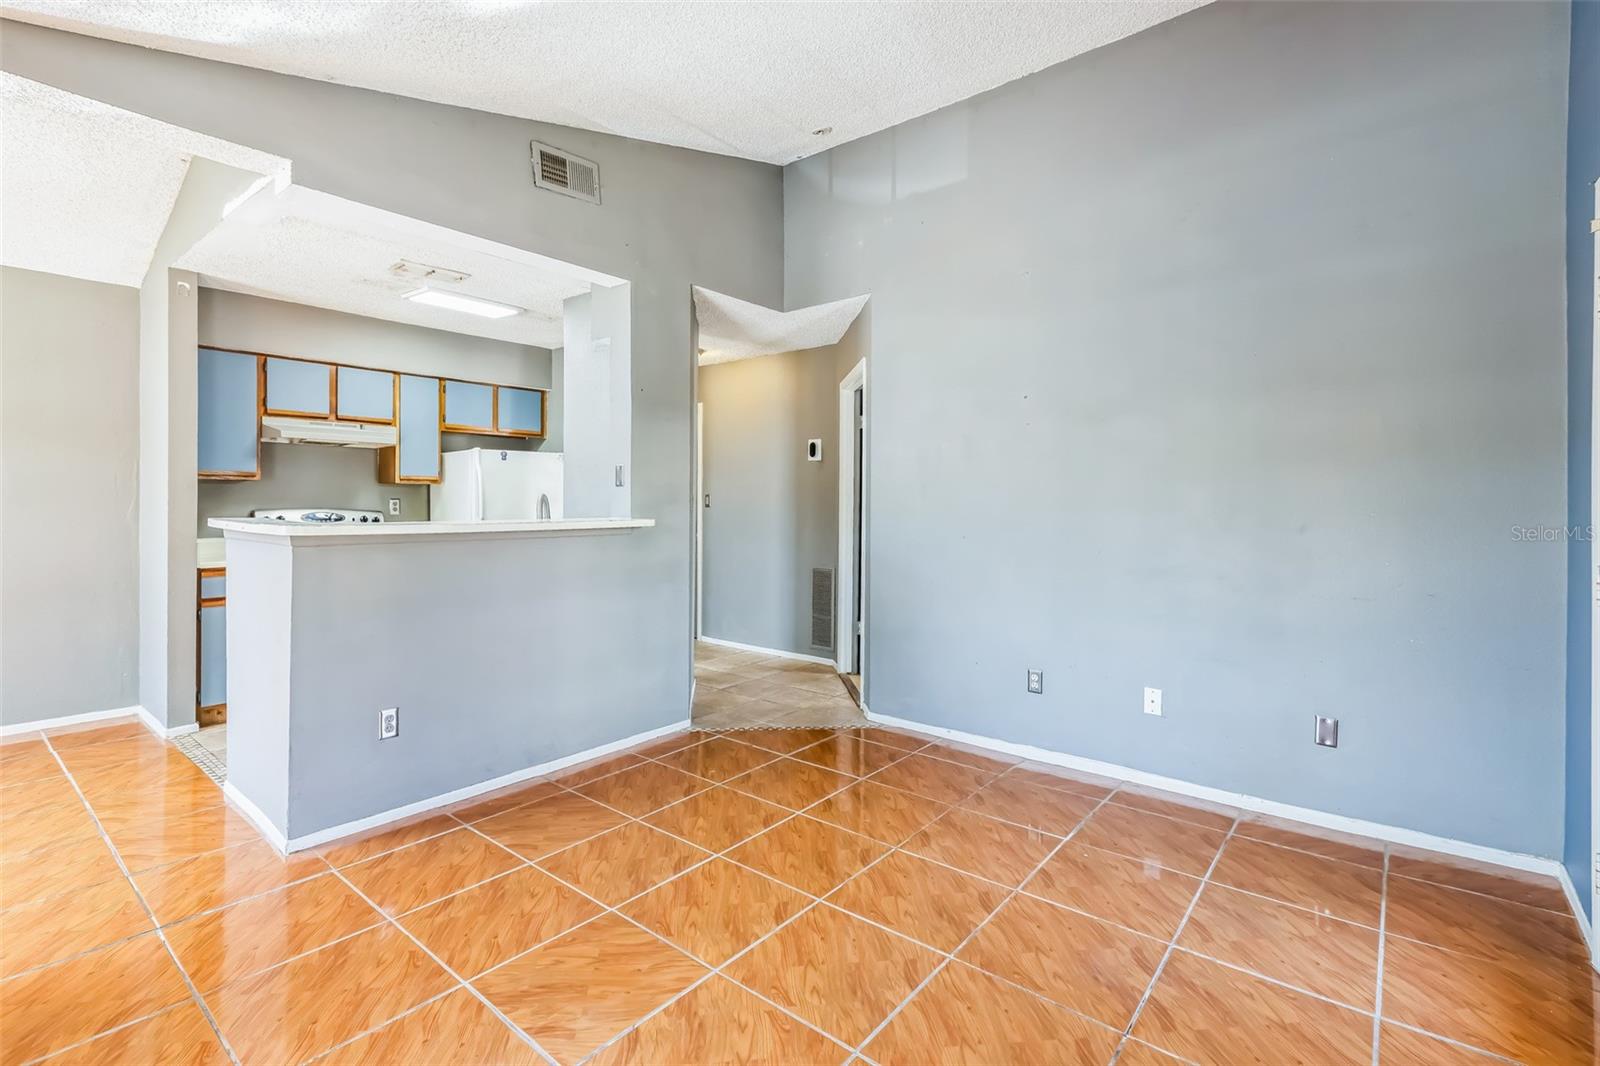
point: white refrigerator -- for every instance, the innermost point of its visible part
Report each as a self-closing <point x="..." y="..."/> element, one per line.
<point x="490" y="485"/>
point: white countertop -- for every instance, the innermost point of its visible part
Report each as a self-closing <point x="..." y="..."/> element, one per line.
<point x="309" y="533"/>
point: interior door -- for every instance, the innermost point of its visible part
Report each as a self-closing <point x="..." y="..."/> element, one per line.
<point x="855" y="571"/>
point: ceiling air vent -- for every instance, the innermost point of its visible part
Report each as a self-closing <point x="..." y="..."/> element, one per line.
<point x="565" y="173"/>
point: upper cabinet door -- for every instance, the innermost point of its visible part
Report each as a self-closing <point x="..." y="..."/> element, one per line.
<point x="229" y="416"/>
<point x="468" y="407"/>
<point x="418" y="459"/>
<point x="299" y="388"/>
<point x="521" y="411"/>
<point x="365" y="395"/>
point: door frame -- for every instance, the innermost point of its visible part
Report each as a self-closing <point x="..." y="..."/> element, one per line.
<point x="699" y="518"/>
<point x="845" y="576"/>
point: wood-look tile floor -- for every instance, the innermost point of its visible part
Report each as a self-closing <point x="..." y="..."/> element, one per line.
<point x="744" y="689"/>
<point x="775" y="895"/>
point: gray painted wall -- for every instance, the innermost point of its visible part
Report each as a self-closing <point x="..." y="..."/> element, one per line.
<point x="1583" y="170"/>
<point x="543" y="661"/>
<point x="1224" y="359"/>
<point x="774" y="515"/>
<point x="166" y="443"/>
<point x="311" y="475"/>
<point x="69" y="578"/>
<point x="671" y="218"/>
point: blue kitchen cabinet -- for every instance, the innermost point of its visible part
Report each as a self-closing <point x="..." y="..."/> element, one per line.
<point x="415" y="460"/>
<point x="521" y="411"/>
<point x="213" y="656"/>
<point x="468" y="407"/>
<point x="229" y="416"/>
<point x="296" y="387"/>
<point x="365" y="395"/>
<point x="211" y="646"/>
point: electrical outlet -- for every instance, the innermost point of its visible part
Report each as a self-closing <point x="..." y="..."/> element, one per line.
<point x="1152" y="701"/>
<point x="1327" y="734"/>
<point x="1036" y="682"/>
<point x="388" y="723"/>
<point x="394" y="507"/>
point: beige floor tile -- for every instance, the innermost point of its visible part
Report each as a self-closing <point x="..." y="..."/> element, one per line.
<point x="838" y="972"/>
<point x="310" y="1004"/>
<point x="1209" y="1013"/>
<point x="1144" y="897"/>
<point x="490" y="923"/>
<point x="616" y="866"/>
<point x="1096" y="968"/>
<point x="719" y="1022"/>
<point x="52" y="1008"/>
<point x="261" y="932"/>
<point x="812" y="856"/>
<point x="580" y="990"/>
<point x="454" y="1028"/>
<point x="420" y="873"/>
<point x="716" y="910"/>
<point x="930" y="903"/>
<point x="965" y="1016"/>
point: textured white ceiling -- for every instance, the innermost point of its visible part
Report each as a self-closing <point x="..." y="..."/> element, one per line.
<point x="86" y="189"/>
<point x="308" y="247"/>
<point x="749" y="79"/>
<point x="733" y="329"/>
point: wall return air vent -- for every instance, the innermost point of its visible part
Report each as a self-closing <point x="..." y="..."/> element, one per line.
<point x="565" y="173"/>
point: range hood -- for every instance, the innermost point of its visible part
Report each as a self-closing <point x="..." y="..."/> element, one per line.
<point x="278" y="430"/>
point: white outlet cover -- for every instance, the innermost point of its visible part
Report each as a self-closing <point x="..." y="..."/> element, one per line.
<point x="388" y="723"/>
<point x="1152" y="701"/>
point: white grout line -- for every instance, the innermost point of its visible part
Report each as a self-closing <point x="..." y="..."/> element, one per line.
<point x="460" y="981"/>
<point x="1194" y="901"/>
<point x="950" y="957"/>
<point x="608" y="909"/>
<point x="891" y="849"/>
<point x="430" y="1001"/>
<point x="151" y="914"/>
<point x="1451" y="1040"/>
<point x="1377" y="995"/>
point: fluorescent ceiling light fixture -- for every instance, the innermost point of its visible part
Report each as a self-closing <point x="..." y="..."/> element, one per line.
<point x="454" y="301"/>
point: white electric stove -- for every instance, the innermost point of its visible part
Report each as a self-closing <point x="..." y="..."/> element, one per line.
<point x="324" y="515"/>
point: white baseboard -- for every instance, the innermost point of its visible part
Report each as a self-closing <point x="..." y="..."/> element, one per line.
<point x="160" y="728"/>
<point x="73" y="719"/>
<point x="1310" y="816"/>
<point x="1578" y="912"/>
<point x="360" y="825"/>
<point x="256" y="816"/>
<point x="736" y="646"/>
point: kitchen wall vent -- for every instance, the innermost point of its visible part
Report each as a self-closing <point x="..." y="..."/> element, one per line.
<point x="565" y="173"/>
<point x="822" y="609"/>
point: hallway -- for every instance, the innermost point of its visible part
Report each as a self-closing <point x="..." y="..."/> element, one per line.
<point x="742" y="689"/>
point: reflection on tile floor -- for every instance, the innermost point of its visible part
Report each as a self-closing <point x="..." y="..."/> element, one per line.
<point x="794" y="895"/>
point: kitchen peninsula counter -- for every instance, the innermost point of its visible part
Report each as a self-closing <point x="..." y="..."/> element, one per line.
<point x="257" y="528"/>
<point x="504" y="647"/>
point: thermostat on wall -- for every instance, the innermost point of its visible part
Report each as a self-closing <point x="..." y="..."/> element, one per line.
<point x="814" y="449"/>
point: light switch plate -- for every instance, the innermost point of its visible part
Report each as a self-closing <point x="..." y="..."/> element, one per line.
<point x="1327" y="734"/>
